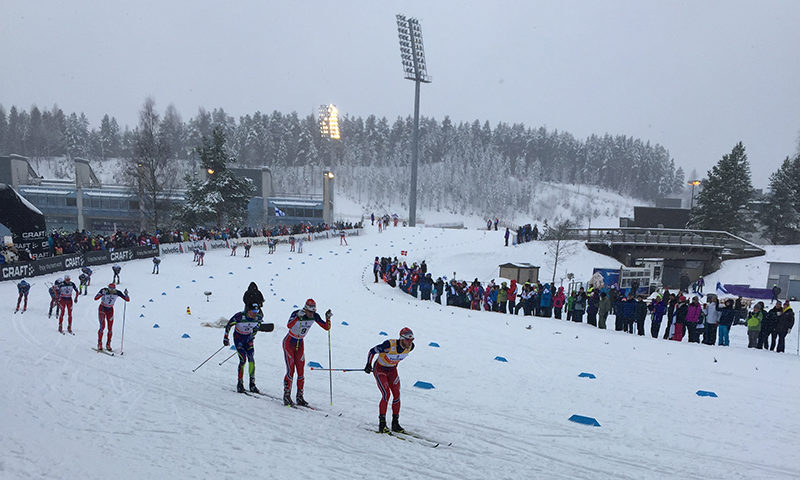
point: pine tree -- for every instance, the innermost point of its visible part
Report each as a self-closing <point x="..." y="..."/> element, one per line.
<point x="221" y="197"/>
<point x="723" y="202"/>
<point x="783" y="204"/>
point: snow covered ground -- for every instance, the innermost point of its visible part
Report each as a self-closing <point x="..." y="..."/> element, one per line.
<point x="71" y="413"/>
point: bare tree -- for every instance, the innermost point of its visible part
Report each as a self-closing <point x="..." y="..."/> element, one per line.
<point x="559" y="241"/>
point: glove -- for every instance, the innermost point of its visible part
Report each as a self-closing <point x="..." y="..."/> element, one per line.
<point x="368" y="368"/>
<point x="328" y="314"/>
<point x="76" y="299"/>
<point x="126" y="292"/>
<point x="226" y="342"/>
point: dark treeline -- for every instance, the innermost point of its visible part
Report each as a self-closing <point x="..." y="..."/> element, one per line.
<point x="473" y="157"/>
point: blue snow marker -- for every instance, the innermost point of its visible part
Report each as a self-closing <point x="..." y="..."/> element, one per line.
<point x="151" y="300"/>
<point x="163" y="293"/>
<point x="365" y="249"/>
<point x="705" y="393"/>
<point x="501" y="359"/>
<point x="314" y="365"/>
<point x="433" y="344"/>
<point x="230" y="273"/>
<point x="320" y="258"/>
<point x="194" y="281"/>
<point x="345" y="324"/>
<point x="177" y="286"/>
<point x="290" y="258"/>
<point x="274" y="294"/>
<point x="283" y="299"/>
<point x="155" y="325"/>
<point x="336" y="254"/>
<point x="249" y="268"/>
<point x="185" y="335"/>
<point x="424" y="385"/>
<point x="289" y="268"/>
<point x="141" y="315"/>
<point x="584" y="420"/>
<point x="587" y="375"/>
<point x="269" y="263"/>
<point x="384" y="334"/>
<point x="330" y="251"/>
<point x="211" y="276"/>
<point x="276" y="274"/>
<point x="143" y="306"/>
<point x="271" y="290"/>
<point x="310" y="254"/>
<point x="295" y="306"/>
<point x="302" y="263"/>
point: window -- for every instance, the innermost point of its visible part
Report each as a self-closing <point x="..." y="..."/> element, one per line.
<point x="72" y="202"/>
<point x="134" y="204"/>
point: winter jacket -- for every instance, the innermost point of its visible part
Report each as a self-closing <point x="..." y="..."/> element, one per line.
<point x="502" y="294"/>
<point x="680" y="313"/>
<point x="785" y="321"/>
<point x="546" y="298"/>
<point x="604" y="306"/>
<point x="627" y="310"/>
<point x="559" y="299"/>
<point x="641" y="311"/>
<point x="580" y="302"/>
<point x="713" y="313"/>
<point x="593" y="304"/>
<point x="771" y="320"/>
<point x="253" y="295"/>
<point x="693" y="313"/>
<point x="660" y="308"/>
<point x="754" y="321"/>
<point x="570" y="303"/>
<point x="726" y="316"/>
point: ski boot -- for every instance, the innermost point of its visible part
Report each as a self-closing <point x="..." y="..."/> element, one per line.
<point x="253" y="387"/>
<point x="287" y="398"/>
<point x="240" y="387"/>
<point x="382" y="424"/>
<point x="108" y="346"/>
<point x="69" y="328"/>
<point x="300" y="400"/>
<point x="396" y="425"/>
<point x="60" y="329"/>
<point x="99" y="346"/>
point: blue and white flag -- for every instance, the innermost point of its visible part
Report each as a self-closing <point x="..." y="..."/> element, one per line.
<point x="279" y="212"/>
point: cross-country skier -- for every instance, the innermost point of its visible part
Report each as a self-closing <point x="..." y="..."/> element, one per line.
<point x="83" y="285"/>
<point x="300" y="321"/>
<point x="88" y="272"/>
<point x="65" y="302"/>
<point x="54" y="294"/>
<point x="342" y="238"/>
<point x="116" y="269"/>
<point x="105" y="311"/>
<point x="384" y="369"/>
<point x="200" y="255"/>
<point x="246" y="325"/>
<point x="247" y="248"/>
<point x="300" y="244"/>
<point x="233" y="248"/>
<point x="23" y="287"/>
<point x="156" y="263"/>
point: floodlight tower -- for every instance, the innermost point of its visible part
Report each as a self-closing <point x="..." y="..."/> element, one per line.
<point x="412" y="55"/>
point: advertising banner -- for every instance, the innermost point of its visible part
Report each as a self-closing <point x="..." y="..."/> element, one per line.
<point x="148" y="251"/>
<point x="96" y="258"/>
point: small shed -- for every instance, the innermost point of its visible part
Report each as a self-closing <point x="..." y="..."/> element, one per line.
<point x="787" y="276"/>
<point x="521" y="272"/>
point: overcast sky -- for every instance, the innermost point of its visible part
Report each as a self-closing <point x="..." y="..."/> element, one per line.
<point x="694" y="76"/>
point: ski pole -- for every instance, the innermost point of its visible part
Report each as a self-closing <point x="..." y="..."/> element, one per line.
<point x="330" y="370"/>
<point x="122" y="337"/>
<point x="207" y="359"/>
<point x="232" y="354"/>
<point x="339" y="369"/>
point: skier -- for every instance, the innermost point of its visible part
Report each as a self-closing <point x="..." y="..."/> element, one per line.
<point x="54" y="293"/>
<point x="116" y="269"/>
<point x="342" y="237"/>
<point x="233" y="248"/>
<point x="200" y="255"/>
<point x="384" y="369"/>
<point x="88" y="272"/>
<point x="300" y="244"/>
<point x="156" y="263"/>
<point x="246" y="325"/>
<point x="291" y="244"/>
<point x="196" y="252"/>
<point x="23" y="287"/>
<point x="65" y="302"/>
<point x="83" y="286"/>
<point x="105" y="312"/>
<point x="300" y="321"/>
<point x="247" y="248"/>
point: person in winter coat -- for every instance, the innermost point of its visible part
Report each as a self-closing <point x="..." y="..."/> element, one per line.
<point x="681" y="309"/>
<point x="784" y="326"/>
<point x="754" y="325"/>
<point x="727" y="315"/>
<point x="603" y="309"/>
<point x="776" y="290"/>
<point x="712" y="313"/>
<point x="507" y="234"/>
<point x="558" y="302"/>
<point x="425" y="287"/>
<point x="579" y="306"/>
<point x="253" y="295"/>
<point x="546" y="301"/>
<point x="592" y="306"/>
<point x="768" y="327"/>
<point x="512" y="297"/>
<point x="439" y="286"/>
<point x="693" y="320"/>
<point x="570" y="305"/>
<point x="659" y="308"/>
<point x="672" y="303"/>
<point x="628" y="314"/>
<point x="641" y="315"/>
<point x="502" y="297"/>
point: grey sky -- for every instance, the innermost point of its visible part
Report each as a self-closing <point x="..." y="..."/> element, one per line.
<point x="694" y="76"/>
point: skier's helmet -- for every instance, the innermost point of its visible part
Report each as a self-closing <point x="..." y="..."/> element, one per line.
<point x="310" y="305"/>
<point x="66" y="278"/>
<point x="59" y="280"/>
<point x="112" y="286"/>
<point x="406" y="334"/>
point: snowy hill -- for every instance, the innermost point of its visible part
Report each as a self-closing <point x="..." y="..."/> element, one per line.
<point x="72" y="413"/>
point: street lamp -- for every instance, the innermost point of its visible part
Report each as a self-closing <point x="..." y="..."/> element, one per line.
<point x="412" y="55"/>
<point x="693" y="183"/>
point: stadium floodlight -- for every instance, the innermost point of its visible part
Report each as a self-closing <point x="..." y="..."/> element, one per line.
<point x="329" y="122"/>
<point x="412" y="56"/>
<point x="693" y="183"/>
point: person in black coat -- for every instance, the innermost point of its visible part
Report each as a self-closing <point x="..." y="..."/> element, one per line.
<point x="784" y="326"/>
<point x="768" y="327"/>
<point x="641" y="315"/>
<point x="253" y="295"/>
<point x="439" y="285"/>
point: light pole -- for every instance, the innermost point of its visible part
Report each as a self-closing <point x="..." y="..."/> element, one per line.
<point x="412" y="54"/>
<point x="693" y="183"/>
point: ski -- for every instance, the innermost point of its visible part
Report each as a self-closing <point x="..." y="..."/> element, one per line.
<point x="422" y="437"/>
<point x="110" y="354"/>
<point x="408" y="438"/>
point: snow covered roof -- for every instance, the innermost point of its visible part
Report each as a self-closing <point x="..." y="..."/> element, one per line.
<point x="42" y="191"/>
<point x="519" y="265"/>
<point x="295" y="203"/>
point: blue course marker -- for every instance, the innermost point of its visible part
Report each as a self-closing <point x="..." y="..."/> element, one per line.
<point x="384" y="334"/>
<point x="288" y="268"/>
<point x="233" y="347"/>
<point x="290" y="258"/>
<point x="230" y="273"/>
<point x="587" y="375"/>
<point x="584" y="420"/>
<point x="269" y="263"/>
<point x="211" y="276"/>
<point x="302" y="263"/>
<point x="283" y="299"/>
<point x="151" y="300"/>
<point x="345" y="324"/>
<point x="433" y="344"/>
<point x="177" y="286"/>
<point x="249" y="268"/>
<point x="141" y="315"/>
<point x="143" y="306"/>
<point x="424" y="385"/>
<point x="314" y="365"/>
<point x="501" y="359"/>
<point x="295" y="306"/>
<point x="706" y="393"/>
<point x="185" y="335"/>
<point x="163" y="293"/>
<point x="195" y="281"/>
<point x="155" y="325"/>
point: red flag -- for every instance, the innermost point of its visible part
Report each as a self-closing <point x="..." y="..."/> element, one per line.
<point x="403" y="252"/>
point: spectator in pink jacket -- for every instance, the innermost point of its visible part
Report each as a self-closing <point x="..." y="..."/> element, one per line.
<point x="693" y="320"/>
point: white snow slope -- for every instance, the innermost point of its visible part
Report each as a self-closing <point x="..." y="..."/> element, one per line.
<point x="71" y="413"/>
